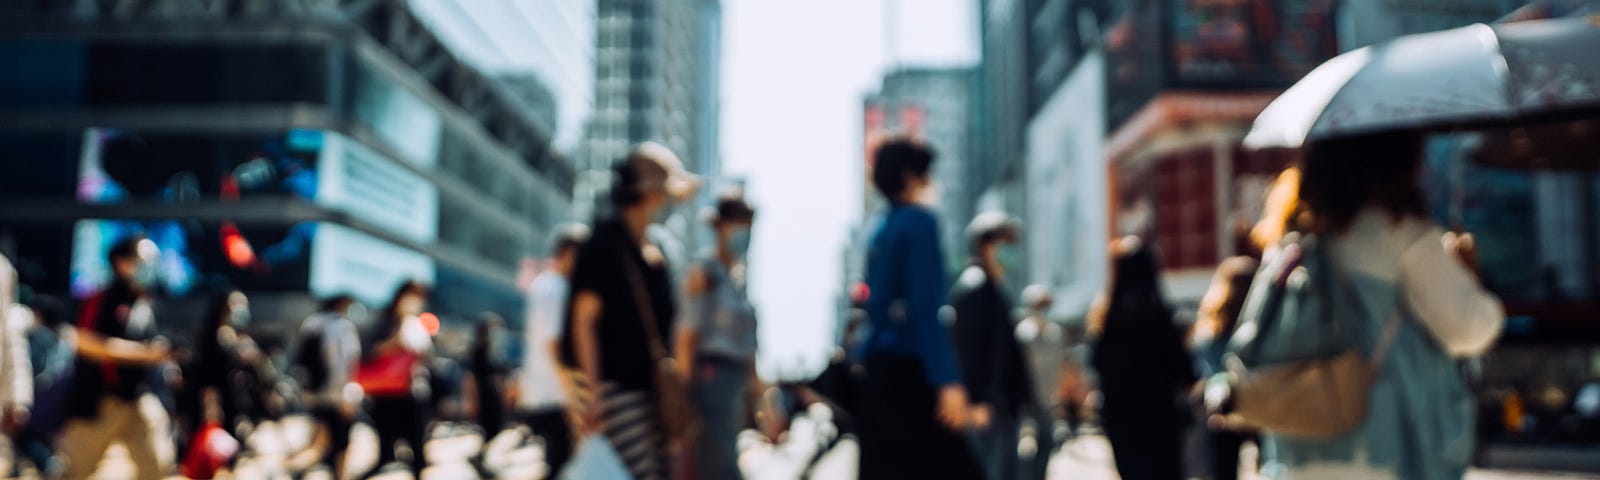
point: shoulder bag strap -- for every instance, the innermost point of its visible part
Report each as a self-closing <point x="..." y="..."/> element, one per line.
<point x="641" y="301"/>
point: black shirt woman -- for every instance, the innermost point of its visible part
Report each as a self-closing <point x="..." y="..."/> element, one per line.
<point x="622" y="304"/>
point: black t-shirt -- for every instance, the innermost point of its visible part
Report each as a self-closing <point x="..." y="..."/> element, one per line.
<point x="602" y="269"/>
<point x="113" y="313"/>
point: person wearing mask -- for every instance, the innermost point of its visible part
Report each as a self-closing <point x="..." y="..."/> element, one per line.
<point x="325" y="365"/>
<point x="1044" y="347"/>
<point x="116" y="354"/>
<point x="541" y="391"/>
<point x="394" y="377"/>
<point x="221" y="358"/>
<point x="1359" y="195"/>
<point x="716" y="340"/>
<point x="1218" y="317"/>
<point x="1144" y="369"/>
<point x="16" y="369"/>
<point x="913" y="403"/>
<point x="622" y="304"/>
<point x="996" y="378"/>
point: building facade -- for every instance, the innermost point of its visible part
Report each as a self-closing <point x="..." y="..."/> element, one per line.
<point x="295" y="150"/>
<point x="657" y="79"/>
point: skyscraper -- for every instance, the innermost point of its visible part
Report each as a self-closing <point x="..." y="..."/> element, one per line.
<point x="657" y="78"/>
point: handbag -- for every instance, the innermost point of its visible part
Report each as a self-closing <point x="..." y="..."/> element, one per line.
<point x="1323" y="395"/>
<point x="211" y="451"/>
<point x="678" y="419"/>
<point x="388" y="375"/>
<point x="596" y="460"/>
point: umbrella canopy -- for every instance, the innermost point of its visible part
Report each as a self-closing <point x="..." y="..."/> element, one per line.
<point x="1478" y="74"/>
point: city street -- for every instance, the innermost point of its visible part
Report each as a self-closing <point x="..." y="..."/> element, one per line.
<point x="1087" y="458"/>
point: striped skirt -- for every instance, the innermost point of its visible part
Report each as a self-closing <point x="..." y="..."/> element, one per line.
<point x="634" y="429"/>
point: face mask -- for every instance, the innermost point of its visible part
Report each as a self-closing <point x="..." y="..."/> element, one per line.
<point x="240" y="318"/>
<point x="661" y="215"/>
<point x="739" y="242"/>
<point x="147" y="275"/>
<point x="1008" y="257"/>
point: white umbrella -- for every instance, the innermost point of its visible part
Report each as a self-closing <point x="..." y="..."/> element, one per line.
<point x="1478" y="74"/>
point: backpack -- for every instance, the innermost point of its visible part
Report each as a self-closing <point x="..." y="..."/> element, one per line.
<point x="1295" y="365"/>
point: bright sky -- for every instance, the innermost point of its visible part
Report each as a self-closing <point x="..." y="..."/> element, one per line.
<point x="794" y="76"/>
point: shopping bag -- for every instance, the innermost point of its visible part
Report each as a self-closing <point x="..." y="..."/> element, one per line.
<point x="210" y="451"/>
<point x="597" y="460"/>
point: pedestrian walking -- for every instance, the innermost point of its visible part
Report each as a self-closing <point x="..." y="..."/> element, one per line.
<point x="1045" y="349"/>
<point x="622" y="302"/>
<point x="992" y="368"/>
<point x="325" y="366"/>
<point x="216" y="381"/>
<point x="488" y="372"/>
<point x="541" y="390"/>
<point x="716" y="340"/>
<point x="913" y="404"/>
<point x="394" y="377"/>
<point x="1412" y="288"/>
<point x="116" y="354"/>
<point x="52" y="354"/>
<point x="1217" y="319"/>
<point x="1144" y="369"/>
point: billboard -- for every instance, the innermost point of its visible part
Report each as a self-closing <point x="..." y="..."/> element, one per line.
<point x="1249" y="43"/>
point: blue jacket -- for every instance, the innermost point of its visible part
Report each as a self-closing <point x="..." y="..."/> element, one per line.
<point x="905" y="272"/>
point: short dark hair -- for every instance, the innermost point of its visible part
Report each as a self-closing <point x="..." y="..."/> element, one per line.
<point x="732" y="208"/>
<point x="894" y="160"/>
<point x="125" y="249"/>
<point x="1341" y="177"/>
<point x="336" y="303"/>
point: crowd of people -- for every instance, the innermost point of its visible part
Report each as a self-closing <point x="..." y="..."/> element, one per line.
<point x="933" y="378"/>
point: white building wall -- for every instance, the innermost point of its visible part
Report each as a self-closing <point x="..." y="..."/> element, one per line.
<point x="1066" y="189"/>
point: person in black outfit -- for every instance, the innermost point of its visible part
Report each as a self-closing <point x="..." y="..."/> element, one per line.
<point x="1145" y="371"/>
<point x="214" y="379"/>
<point x="621" y="297"/>
<point x="116" y="353"/>
<point x="992" y="367"/>
<point x="489" y="375"/>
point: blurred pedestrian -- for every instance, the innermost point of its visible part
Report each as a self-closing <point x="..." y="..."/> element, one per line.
<point x="394" y="377"/>
<point x="488" y="371"/>
<point x="1044" y="347"/>
<point x="1144" y="369"/>
<point x="218" y="379"/>
<point x="716" y="340"/>
<point x="913" y="403"/>
<point x="1360" y="195"/>
<point x="52" y="354"/>
<point x="16" y="368"/>
<point x="1219" y="316"/>
<point x="116" y="354"/>
<point x="541" y="391"/>
<point x="325" y="365"/>
<point x="622" y="303"/>
<point x="996" y="377"/>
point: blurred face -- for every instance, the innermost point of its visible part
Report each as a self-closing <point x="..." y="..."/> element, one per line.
<point x="411" y="305"/>
<point x="238" y="310"/>
<point x="566" y="260"/>
<point x="734" y="238"/>
<point x="921" y="190"/>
